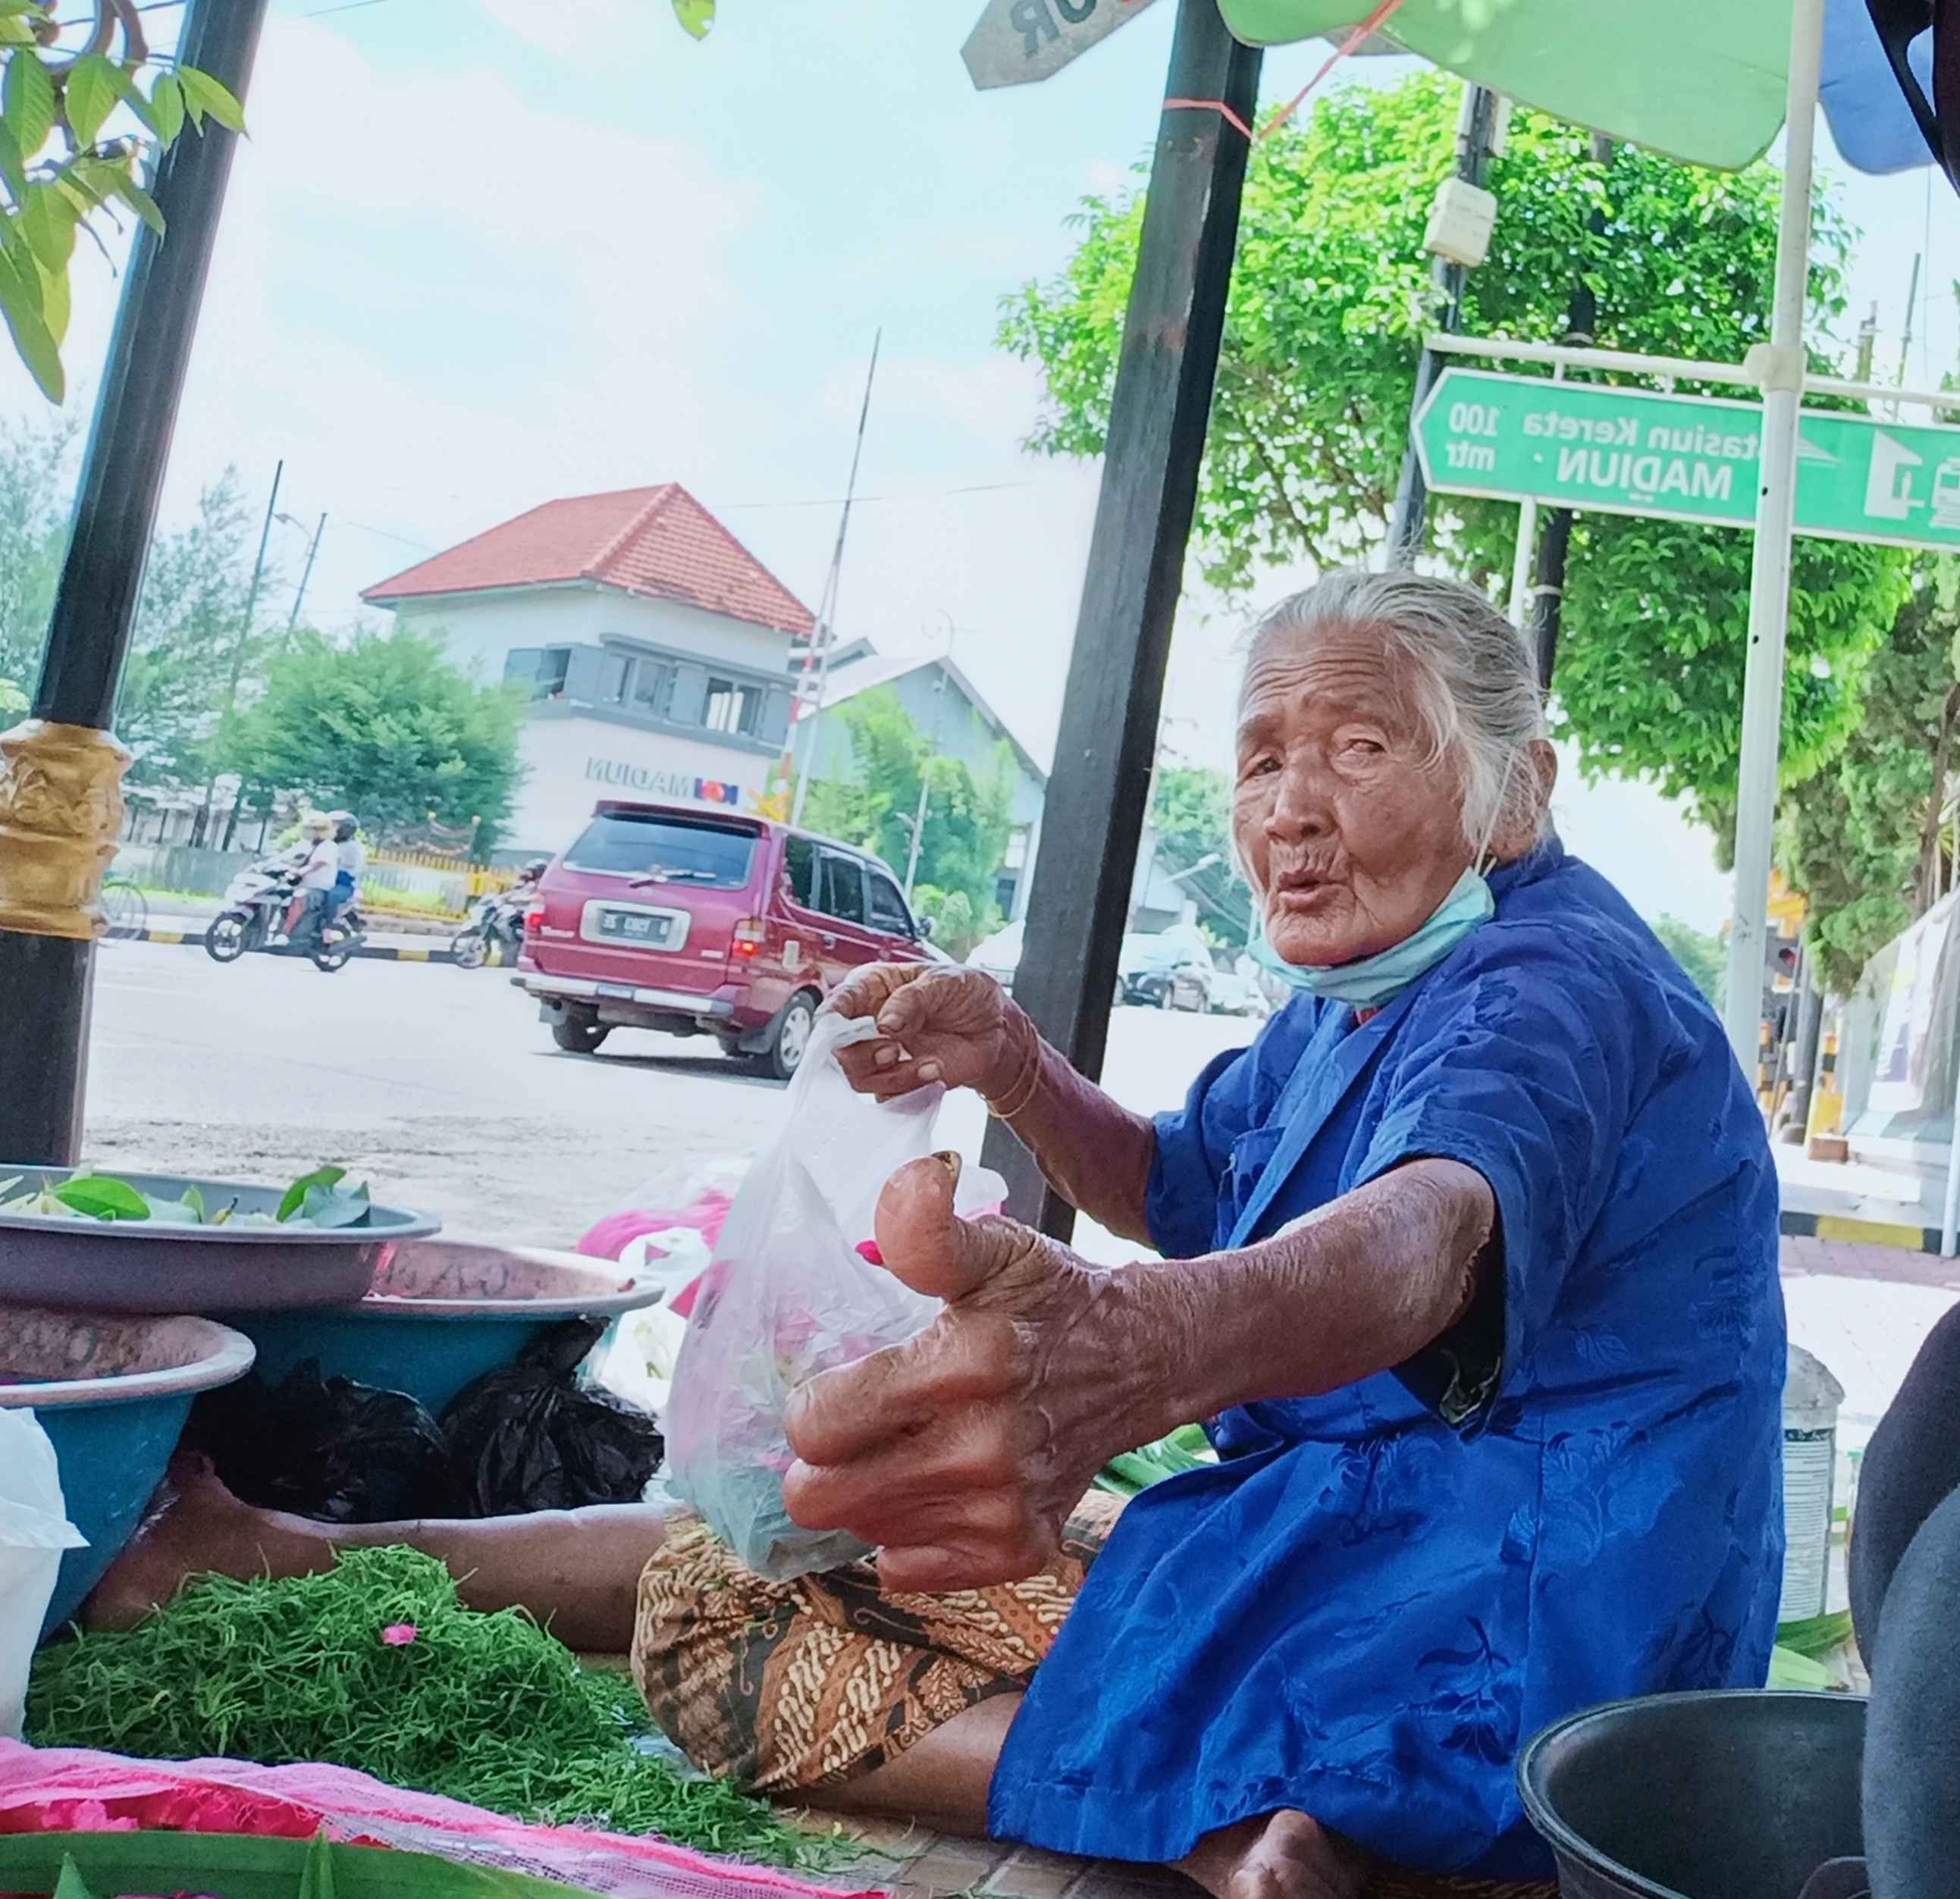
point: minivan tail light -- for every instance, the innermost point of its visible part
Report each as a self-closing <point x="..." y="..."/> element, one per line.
<point x="534" y="917"/>
<point x="748" y="937"/>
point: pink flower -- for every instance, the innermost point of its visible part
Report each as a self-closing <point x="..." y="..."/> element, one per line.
<point x="399" y="1635"/>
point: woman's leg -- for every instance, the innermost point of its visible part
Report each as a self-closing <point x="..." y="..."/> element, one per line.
<point x="942" y="1783"/>
<point x="575" y="1571"/>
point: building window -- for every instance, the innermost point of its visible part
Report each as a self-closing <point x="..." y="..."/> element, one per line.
<point x="1017" y="856"/>
<point x="731" y="708"/>
<point x="552" y="667"/>
<point x="612" y="671"/>
<point x="653" y="687"/>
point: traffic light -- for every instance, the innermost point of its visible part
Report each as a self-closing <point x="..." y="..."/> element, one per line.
<point x="1779" y="962"/>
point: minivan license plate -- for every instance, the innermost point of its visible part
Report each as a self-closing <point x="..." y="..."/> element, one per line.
<point x="622" y="990"/>
<point x="633" y="926"/>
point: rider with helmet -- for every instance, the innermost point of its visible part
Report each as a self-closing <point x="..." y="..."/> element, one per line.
<point x="353" y="860"/>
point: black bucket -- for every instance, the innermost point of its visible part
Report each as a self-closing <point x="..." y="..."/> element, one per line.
<point x="1740" y="1794"/>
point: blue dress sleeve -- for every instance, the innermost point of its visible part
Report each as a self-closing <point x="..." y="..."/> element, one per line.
<point x="1522" y="1065"/>
<point x="1194" y="1150"/>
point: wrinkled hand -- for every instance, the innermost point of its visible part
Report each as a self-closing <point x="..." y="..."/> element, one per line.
<point x="957" y="1026"/>
<point x="961" y="1454"/>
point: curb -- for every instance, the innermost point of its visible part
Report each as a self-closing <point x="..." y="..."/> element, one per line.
<point x="193" y="938"/>
<point x="1868" y="1232"/>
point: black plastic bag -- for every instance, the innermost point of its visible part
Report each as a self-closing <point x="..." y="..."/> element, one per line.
<point x="529" y="1437"/>
<point x="329" y="1449"/>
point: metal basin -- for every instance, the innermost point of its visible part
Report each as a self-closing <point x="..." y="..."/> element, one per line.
<point x="112" y="1393"/>
<point x="145" y="1266"/>
<point x="442" y="1312"/>
<point x="1740" y="1794"/>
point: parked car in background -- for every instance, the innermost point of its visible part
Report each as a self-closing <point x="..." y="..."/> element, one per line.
<point x="1233" y="994"/>
<point x="693" y="922"/>
<point x="1172" y="971"/>
<point x="1000" y="956"/>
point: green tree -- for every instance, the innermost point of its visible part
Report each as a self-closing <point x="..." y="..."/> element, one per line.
<point x="12" y="699"/>
<point x="1328" y="305"/>
<point x="969" y="818"/>
<point x="34" y="498"/>
<point x="1861" y="840"/>
<point x="388" y="727"/>
<point x="1705" y="958"/>
<point x="1191" y="812"/>
<point x="191" y="630"/>
<point x="77" y="132"/>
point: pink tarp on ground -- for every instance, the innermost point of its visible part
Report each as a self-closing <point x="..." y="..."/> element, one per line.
<point x="44" y="1789"/>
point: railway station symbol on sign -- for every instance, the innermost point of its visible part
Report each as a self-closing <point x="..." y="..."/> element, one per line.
<point x="1687" y="458"/>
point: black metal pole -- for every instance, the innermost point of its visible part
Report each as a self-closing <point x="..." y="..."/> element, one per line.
<point x="61" y="800"/>
<point x="1473" y="150"/>
<point x="1582" y="319"/>
<point x="1079" y="905"/>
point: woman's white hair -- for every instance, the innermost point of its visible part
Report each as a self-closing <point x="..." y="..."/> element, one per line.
<point x="1470" y="677"/>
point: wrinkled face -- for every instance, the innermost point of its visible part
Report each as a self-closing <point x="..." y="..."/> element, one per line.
<point x="1350" y="830"/>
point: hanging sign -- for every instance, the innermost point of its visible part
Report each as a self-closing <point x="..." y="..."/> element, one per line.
<point x="1017" y="41"/>
<point x="1685" y="458"/>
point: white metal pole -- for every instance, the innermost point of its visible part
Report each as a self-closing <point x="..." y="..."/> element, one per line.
<point x="1769" y="585"/>
<point x="1949" y="1220"/>
<point x="1521" y="563"/>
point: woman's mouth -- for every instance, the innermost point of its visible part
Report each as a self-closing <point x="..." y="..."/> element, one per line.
<point x="1299" y="893"/>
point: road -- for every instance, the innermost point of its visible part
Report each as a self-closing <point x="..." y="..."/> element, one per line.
<point x="441" y="1087"/>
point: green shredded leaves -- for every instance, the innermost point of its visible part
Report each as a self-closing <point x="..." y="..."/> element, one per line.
<point x="1185" y="1450"/>
<point x="488" y="1708"/>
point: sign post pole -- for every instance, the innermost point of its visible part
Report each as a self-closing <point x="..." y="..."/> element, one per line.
<point x="1769" y="582"/>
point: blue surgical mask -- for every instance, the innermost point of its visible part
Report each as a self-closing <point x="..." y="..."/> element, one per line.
<point x="1369" y="982"/>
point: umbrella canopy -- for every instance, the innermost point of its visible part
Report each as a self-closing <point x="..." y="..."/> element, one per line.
<point x="1702" y="82"/>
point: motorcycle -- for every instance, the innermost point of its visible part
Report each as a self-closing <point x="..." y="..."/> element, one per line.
<point x="495" y="918"/>
<point x="254" y="917"/>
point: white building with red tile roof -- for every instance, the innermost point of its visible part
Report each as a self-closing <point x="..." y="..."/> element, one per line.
<point x="656" y="648"/>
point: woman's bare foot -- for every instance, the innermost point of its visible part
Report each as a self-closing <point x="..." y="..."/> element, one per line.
<point x="1280" y="1855"/>
<point x="195" y="1527"/>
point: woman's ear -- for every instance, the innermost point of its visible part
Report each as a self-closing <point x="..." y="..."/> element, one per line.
<point x="1521" y="827"/>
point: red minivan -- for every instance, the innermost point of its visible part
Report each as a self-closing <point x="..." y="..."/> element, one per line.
<point x="692" y="922"/>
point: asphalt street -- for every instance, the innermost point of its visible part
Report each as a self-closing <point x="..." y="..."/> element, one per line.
<point x="441" y="1087"/>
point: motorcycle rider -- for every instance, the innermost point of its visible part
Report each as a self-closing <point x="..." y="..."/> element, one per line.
<point x="353" y="860"/>
<point x="317" y="880"/>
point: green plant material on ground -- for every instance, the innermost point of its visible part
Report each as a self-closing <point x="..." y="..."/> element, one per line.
<point x="487" y="1709"/>
<point x="1816" y="1636"/>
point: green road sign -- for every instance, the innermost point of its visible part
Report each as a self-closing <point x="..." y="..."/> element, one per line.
<point x="1685" y="458"/>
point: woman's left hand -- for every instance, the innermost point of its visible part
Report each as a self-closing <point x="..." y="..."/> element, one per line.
<point x="961" y="1454"/>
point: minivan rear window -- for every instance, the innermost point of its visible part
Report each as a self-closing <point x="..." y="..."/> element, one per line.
<point x="682" y="850"/>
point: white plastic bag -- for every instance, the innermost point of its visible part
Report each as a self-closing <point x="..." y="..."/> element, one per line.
<point x="34" y="1530"/>
<point x="788" y="1296"/>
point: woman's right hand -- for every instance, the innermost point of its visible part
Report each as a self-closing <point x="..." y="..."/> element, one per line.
<point x="935" y="1024"/>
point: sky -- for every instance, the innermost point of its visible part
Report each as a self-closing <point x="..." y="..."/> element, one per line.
<point x="481" y="254"/>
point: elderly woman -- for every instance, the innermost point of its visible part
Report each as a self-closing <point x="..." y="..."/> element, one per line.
<point x="1470" y="1262"/>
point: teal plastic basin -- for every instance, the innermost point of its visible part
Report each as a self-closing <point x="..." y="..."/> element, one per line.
<point x="111" y="1392"/>
<point x="442" y="1313"/>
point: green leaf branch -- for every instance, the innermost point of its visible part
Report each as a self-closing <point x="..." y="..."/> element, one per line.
<point x="65" y="161"/>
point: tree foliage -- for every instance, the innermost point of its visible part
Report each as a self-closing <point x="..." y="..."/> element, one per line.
<point x="192" y="629"/>
<point x="1328" y="306"/>
<point x="34" y="491"/>
<point x="968" y="819"/>
<point x="389" y="728"/>
<point x="1861" y="840"/>
<point x="78" y="136"/>
<point x="1702" y="957"/>
<point x="1191" y="812"/>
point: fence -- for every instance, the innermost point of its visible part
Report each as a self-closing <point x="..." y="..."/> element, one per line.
<point x="401" y="884"/>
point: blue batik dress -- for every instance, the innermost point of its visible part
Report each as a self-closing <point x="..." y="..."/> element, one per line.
<point x="1379" y="1594"/>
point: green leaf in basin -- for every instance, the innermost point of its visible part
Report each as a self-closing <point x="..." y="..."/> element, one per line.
<point x="177" y="1212"/>
<point x="102" y="1198"/>
<point x="334" y="1205"/>
<point x="695" y="16"/>
<point x="295" y="1196"/>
